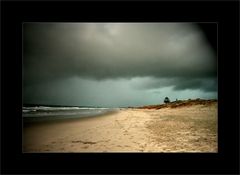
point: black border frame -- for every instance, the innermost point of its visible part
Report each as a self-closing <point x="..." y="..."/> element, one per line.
<point x="223" y="12"/>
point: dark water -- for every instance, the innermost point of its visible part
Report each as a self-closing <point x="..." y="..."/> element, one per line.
<point x="43" y="113"/>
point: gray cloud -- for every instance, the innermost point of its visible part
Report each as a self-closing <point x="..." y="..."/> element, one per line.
<point x="207" y="85"/>
<point x="87" y="63"/>
<point x="109" y="92"/>
<point x="204" y="84"/>
<point x="110" y="50"/>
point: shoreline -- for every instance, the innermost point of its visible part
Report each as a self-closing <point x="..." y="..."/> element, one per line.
<point x="185" y="129"/>
<point x="65" y="120"/>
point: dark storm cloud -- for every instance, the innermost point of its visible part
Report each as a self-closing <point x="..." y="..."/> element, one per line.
<point x="206" y="85"/>
<point x="108" y="92"/>
<point x="116" y="64"/>
<point x="178" y="84"/>
<point x="98" y="51"/>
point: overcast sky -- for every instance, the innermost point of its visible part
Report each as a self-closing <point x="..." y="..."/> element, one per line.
<point x="116" y="64"/>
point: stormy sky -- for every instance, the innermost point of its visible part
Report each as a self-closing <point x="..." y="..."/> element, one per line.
<point x="118" y="64"/>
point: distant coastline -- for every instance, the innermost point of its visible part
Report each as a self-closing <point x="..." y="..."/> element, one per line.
<point x="35" y="113"/>
<point x="181" y="103"/>
<point x="173" y="104"/>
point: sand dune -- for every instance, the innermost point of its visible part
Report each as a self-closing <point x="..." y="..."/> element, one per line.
<point x="190" y="128"/>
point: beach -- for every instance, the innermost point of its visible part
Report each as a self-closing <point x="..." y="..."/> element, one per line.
<point x="182" y="129"/>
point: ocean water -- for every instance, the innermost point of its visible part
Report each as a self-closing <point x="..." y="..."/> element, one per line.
<point x="47" y="113"/>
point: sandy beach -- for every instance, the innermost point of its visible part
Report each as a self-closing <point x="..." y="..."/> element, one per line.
<point x="183" y="129"/>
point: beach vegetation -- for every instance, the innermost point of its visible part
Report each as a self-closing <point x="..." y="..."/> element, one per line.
<point x="166" y="100"/>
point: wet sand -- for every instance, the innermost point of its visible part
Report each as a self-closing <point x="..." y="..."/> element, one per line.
<point x="183" y="129"/>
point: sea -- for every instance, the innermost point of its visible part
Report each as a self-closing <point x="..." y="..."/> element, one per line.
<point x="48" y="113"/>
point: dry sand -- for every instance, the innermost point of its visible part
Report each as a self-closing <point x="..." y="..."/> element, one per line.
<point x="183" y="129"/>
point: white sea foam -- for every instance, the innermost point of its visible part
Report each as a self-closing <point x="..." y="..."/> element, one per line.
<point x="45" y="108"/>
<point x="28" y="110"/>
<point x="62" y="112"/>
<point x="48" y="108"/>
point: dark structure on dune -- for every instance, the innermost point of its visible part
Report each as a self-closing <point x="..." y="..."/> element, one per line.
<point x="166" y="100"/>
